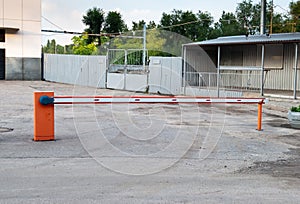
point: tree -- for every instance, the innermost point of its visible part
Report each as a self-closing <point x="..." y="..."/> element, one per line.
<point x="151" y="25"/>
<point x="193" y="26"/>
<point x="204" y="26"/>
<point x="280" y="24"/>
<point x="228" y="25"/>
<point x="138" y="25"/>
<point x="114" y="23"/>
<point x="53" y="48"/>
<point x="247" y="15"/>
<point x="82" y="47"/>
<point x="94" y="19"/>
<point x="295" y="13"/>
<point x="50" y="47"/>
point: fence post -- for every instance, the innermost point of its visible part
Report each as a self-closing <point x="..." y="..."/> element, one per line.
<point x="259" y="116"/>
<point x="43" y="118"/>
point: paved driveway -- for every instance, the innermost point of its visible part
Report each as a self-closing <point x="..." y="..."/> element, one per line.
<point x="146" y="153"/>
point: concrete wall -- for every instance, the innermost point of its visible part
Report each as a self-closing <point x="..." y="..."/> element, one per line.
<point x="75" y="69"/>
<point x="18" y="68"/>
<point x="21" y="20"/>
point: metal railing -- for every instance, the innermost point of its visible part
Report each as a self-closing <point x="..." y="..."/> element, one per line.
<point x="126" y="60"/>
<point x="237" y="81"/>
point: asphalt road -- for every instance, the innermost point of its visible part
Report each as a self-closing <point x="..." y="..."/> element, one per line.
<point x="146" y="153"/>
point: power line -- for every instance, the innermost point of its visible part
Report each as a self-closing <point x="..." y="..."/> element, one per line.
<point x="282" y="8"/>
<point x="46" y="19"/>
<point x="90" y="34"/>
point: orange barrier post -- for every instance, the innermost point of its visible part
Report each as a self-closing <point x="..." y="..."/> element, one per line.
<point x="43" y="118"/>
<point x="259" y="116"/>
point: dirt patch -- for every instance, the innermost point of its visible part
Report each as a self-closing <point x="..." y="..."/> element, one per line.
<point x="279" y="122"/>
<point x="293" y="139"/>
<point x="289" y="168"/>
<point x="282" y="167"/>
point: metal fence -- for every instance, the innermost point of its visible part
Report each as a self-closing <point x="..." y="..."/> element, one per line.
<point x="238" y="81"/>
<point x="75" y="69"/>
<point x="129" y="60"/>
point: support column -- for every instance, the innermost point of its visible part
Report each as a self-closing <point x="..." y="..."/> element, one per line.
<point x="218" y="73"/>
<point x="262" y="69"/>
<point x="296" y="71"/>
<point x="184" y="69"/>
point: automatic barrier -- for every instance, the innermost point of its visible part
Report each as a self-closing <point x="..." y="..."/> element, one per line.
<point x="44" y="107"/>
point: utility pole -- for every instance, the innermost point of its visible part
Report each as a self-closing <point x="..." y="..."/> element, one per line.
<point x="271" y="19"/>
<point x="144" y="45"/>
<point x="263" y="17"/>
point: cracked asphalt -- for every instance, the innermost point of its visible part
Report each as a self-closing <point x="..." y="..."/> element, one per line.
<point x="138" y="153"/>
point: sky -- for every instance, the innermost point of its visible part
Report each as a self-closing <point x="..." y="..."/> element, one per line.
<point x="67" y="14"/>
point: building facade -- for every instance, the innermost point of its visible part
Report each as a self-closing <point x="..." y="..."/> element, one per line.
<point x="20" y="39"/>
<point x="259" y="62"/>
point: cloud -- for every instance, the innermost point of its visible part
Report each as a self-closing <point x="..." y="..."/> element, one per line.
<point x="140" y="14"/>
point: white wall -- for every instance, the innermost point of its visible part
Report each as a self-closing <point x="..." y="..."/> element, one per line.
<point x="75" y="69"/>
<point x="24" y="15"/>
<point x="165" y="75"/>
<point x="129" y="82"/>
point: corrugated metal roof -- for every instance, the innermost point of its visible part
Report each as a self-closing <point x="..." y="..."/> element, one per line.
<point x="251" y="39"/>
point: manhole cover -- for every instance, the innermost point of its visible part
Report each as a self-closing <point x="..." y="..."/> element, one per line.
<point x="3" y="129"/>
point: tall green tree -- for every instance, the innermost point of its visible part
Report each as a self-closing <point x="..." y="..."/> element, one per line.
<point x="295" y="13"/>
<point x="53" y="48"/>
<point x="227" y="25"/>
<point x="94" y="19"/>
<point x="138" y="25"/>
<point x="114" y="23"/>
<point x="248" y="16"/>
<point x="193" y="26"/>
<point x="50" y="47"/>
<point x="204" y="26"/>
<point x="151" y="25"/>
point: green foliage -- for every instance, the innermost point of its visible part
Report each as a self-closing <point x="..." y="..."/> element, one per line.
<point x="114" y="23"/>
<point x="50" y="47"/>
<point x="248" y="15"/>
<point x="138" y="25"/>
<point x="53" y="48"/>
<point x="295" y="109"/>
<point x="94" y="19"/>
<point x="229" y="25"/>
<point x="295" y="12"/>
<point x="81" y="46"/>
<point x="151" y="25"/>
<point x="194" y="26"/>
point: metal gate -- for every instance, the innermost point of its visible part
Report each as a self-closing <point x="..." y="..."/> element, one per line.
<point x="127" y="69"/>
<point x="2" y="64"/>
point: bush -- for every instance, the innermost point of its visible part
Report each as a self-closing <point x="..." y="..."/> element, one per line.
<point x="295" y="109"/>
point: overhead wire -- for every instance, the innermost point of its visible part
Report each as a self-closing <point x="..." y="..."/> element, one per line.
<point x="46" y="19"/>
<point x="63" y="31"/>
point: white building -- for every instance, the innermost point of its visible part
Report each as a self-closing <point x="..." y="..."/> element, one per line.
<point x="20" y="39"/>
